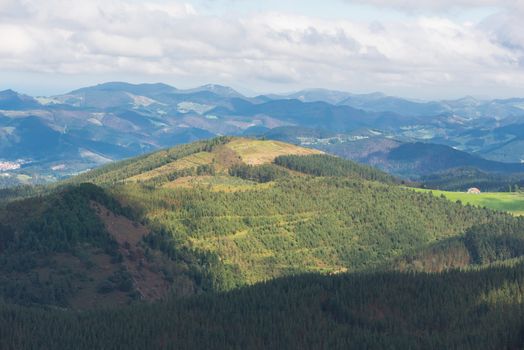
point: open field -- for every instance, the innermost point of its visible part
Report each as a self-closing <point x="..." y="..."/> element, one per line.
<point x="503" y="201"/>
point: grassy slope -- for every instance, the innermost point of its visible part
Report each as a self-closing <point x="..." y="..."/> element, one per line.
<point x="256" y="152"/>
<point x="503" y="201"/>
<point x="220" y="152"/>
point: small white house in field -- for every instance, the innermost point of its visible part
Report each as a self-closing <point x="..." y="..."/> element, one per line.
<point x="474" y="190"/>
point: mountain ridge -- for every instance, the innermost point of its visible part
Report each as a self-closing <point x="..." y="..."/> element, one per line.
<point x="116" y="120"/>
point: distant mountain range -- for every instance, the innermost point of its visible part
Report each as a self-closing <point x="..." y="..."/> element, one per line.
<point x="58" y="136"/>
<point x="406" y="159"/>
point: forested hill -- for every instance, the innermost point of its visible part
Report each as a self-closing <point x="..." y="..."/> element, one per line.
<point x="215" y="215"/>
<point x="219" y="155"/>
<point x="207" y="226"/>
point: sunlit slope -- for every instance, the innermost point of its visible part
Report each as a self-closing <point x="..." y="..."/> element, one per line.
<point x="256" y="152"/>
<point x="267" y="209"/>
<point x="220" y="153"/>
<point x="298" y="225"/>
<point x="503" y="201"/>
<point x="311" y="213"/>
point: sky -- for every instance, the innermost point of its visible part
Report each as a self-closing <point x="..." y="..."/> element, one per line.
<point x="422" y="49"/>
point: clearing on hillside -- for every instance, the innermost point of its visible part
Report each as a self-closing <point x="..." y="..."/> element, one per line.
<point x="256" y="152"/>
<point x="192" y="161"/>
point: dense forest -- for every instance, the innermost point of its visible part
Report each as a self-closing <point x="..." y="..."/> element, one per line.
<point x="454" y="310"/>
<point x="303" y="224"/>
<point x="326" y="165"/>
<point x="233" y="243"/>
<point x="463" y="178"/>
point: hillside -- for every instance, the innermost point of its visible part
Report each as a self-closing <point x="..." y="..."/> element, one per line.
<point x="437" y="158"/>
<point x="454" y="310"/>
<point x="499" y="243"/>
<point x="166" y="249"/>
<point x="215" y="215"/>
<point x="80" y="248"/>
<point x="461" y="179"/>
<point x="261" y="220"/>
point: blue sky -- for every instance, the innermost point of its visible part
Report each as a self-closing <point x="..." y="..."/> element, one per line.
<point x="422" y="49"/>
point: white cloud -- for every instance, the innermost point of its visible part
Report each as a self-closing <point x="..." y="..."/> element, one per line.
<point x="436" y="5"/>
<point x="171" y="41"/>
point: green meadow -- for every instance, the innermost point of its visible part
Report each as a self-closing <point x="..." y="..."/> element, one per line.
<point x="512" y="202"/>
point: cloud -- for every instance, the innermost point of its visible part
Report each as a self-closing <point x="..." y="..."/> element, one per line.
<point x="437" y="5"/>
<point x="172" y="41"/>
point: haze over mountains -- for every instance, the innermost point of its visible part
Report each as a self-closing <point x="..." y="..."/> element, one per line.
<point x="57" y="136"/>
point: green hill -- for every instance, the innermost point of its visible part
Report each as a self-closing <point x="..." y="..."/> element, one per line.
<point x="253" y="209"/>
<point x="208" y="226"/>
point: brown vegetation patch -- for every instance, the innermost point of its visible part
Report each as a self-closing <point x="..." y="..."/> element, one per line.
<point x="148" y="281"/>
<point x="225" y="158"/>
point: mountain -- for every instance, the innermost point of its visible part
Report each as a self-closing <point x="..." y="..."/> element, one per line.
<point x="220" y="90"/>
<point x="213" y="215"/>
<point x="118" y="95"/>
<point x="137" y="89"/>
<point x="313" y="114"/>
<point x="113" y="121"/>
<point x="466" y="107"/>
<point x="115" y="94"/>
<point x="406" y="159"/>
<point x="165" y="249"/>
<point x="11" y="100"/>
<point x="431" y="158"/>
<point x="372" y="102"/>
<point x="381" y="103"/>
<point x="315" y="95"/>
